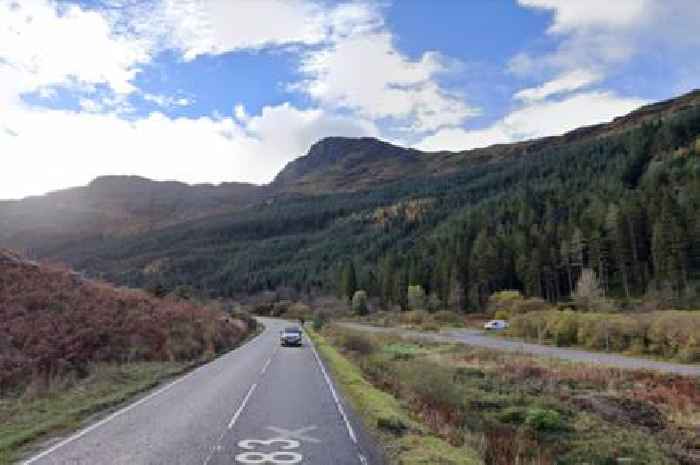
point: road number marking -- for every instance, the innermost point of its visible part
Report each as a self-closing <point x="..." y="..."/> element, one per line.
<point x="248" y="443"/>
<point x="280" y="458"/>
<point x="299" y="434"/>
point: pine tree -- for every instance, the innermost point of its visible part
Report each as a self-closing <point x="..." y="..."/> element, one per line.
<point x="386" y="281"/>
<point x="577" y="251"/>
<point x="564" y="254"/>
<point x="349" y="280"/>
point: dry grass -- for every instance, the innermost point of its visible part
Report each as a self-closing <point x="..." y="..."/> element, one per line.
<point x="532" y="411"/>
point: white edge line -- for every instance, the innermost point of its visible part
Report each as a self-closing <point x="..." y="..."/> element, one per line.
<point x="242" y="406"/>
<point x="90" y="428"/>
<point x="339" y="406"/>
<point x="129" y="407"/>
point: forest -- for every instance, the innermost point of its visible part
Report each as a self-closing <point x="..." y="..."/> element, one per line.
<point x="623" y="204"/>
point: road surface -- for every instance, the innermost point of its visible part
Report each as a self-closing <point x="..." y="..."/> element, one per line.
<point x="477" y="338"/>
<point x="259" y="404"/>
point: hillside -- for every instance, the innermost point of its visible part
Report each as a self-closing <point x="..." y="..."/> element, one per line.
<point x="338" y="164"/>
<point x="55" y="323"/>
<point x="620" y="198"/>
<point x="114" y="206"/>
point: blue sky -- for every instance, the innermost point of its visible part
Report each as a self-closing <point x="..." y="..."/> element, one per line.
<point x="209" y="91"/>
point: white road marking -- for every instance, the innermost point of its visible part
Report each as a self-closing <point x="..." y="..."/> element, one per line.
<point x="299" y="434"/>
<point x="242" y="406"/>
<point x="124" y="410"/>
<point x="93" y="427"/>
<point x="339" y="406"/>
<point x="264" y="368"/>
<point x="363" y="459"/>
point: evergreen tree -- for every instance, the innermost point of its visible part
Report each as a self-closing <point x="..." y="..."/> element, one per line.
<point x="349" y="280"/>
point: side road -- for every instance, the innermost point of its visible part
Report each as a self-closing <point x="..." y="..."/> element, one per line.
<point x="478" y="339"/>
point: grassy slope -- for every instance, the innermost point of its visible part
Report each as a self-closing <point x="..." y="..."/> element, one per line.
<point x="25" y="420"/>
<point x="405" y="440"/>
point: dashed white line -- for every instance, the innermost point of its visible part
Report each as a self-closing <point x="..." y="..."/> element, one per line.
<point x="118" y="413"/>
<point x="264" y="368"/>
<point x="242" y="406"/>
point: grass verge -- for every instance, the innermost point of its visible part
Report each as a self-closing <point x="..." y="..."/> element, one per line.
<point x="26" y="420"/>
<point x="516" y="408"/>
<point x="405" y="440"/>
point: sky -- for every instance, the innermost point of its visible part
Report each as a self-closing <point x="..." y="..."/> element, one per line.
<point x="211" y="91"/>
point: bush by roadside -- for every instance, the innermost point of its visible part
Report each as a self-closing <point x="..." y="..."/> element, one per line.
<point x="668" y="334"/>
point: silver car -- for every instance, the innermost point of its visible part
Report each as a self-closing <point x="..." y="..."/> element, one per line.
<point x="291" y="336"/>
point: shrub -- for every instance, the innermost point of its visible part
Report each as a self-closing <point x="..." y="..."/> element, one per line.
<point x="357" y="342"/>
<point x="298" y="311"/>
<point x="503" y="305"/>
<point x="614" y="332"/>
<point x="588" y="294"/>
<point x="544" y="420"/>
<point x="359" y="303"/>
<point x="564" y="328"/>
<point x="52" y="324"/>
<point x="671" y="334"/>
<point x="433" y="303"/>
<point x="675" y="334"/>
<point x="434" y="387"/>
<point x="415" y="317"/>
<point x="280" y="308"/>
<point x="416" y="298"/>
<point x="446" y="317"/>
<point x="319" y="320"/>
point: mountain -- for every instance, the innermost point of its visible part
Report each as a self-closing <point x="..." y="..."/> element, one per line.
<point x="339" y="164"/>
<point x="621" y="198"/>
<point x="114" y="206"/>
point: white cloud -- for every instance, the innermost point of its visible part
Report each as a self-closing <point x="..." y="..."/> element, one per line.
<point x="199" y="27"/>
<point x="361" y="70"/>
<point x="53" y="149"/>
<point x="165" y="101"/>
<point x="46" y="45"/>
<point x="41" y="46"/>
<point x="567" y="82"/>
<point x="539" y="119"/>
<point x="571" y="16"/>
<point x="603" y="34"/>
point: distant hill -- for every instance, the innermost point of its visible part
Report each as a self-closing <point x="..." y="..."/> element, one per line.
<point x="115" y="206"/>
<point x="621" y="198"/>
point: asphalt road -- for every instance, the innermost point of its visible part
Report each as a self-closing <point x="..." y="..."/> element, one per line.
<point x="477" y="338"/>
<point x="259" y="404"/>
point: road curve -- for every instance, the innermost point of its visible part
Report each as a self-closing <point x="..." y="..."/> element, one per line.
<point x="476" y="338"/>
<point x="259" y="404"/>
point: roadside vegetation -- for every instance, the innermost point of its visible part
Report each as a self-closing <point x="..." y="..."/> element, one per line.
<point x="596" y="323"/>
<point x="405" y="440"/>
<point x="26" y="418"/>
<point x="518" y="409"/>
<point x="70" y="346"/>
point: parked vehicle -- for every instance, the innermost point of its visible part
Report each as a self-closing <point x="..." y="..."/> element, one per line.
<point x="291" y="336"/>
<point x="495" y="325"/>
